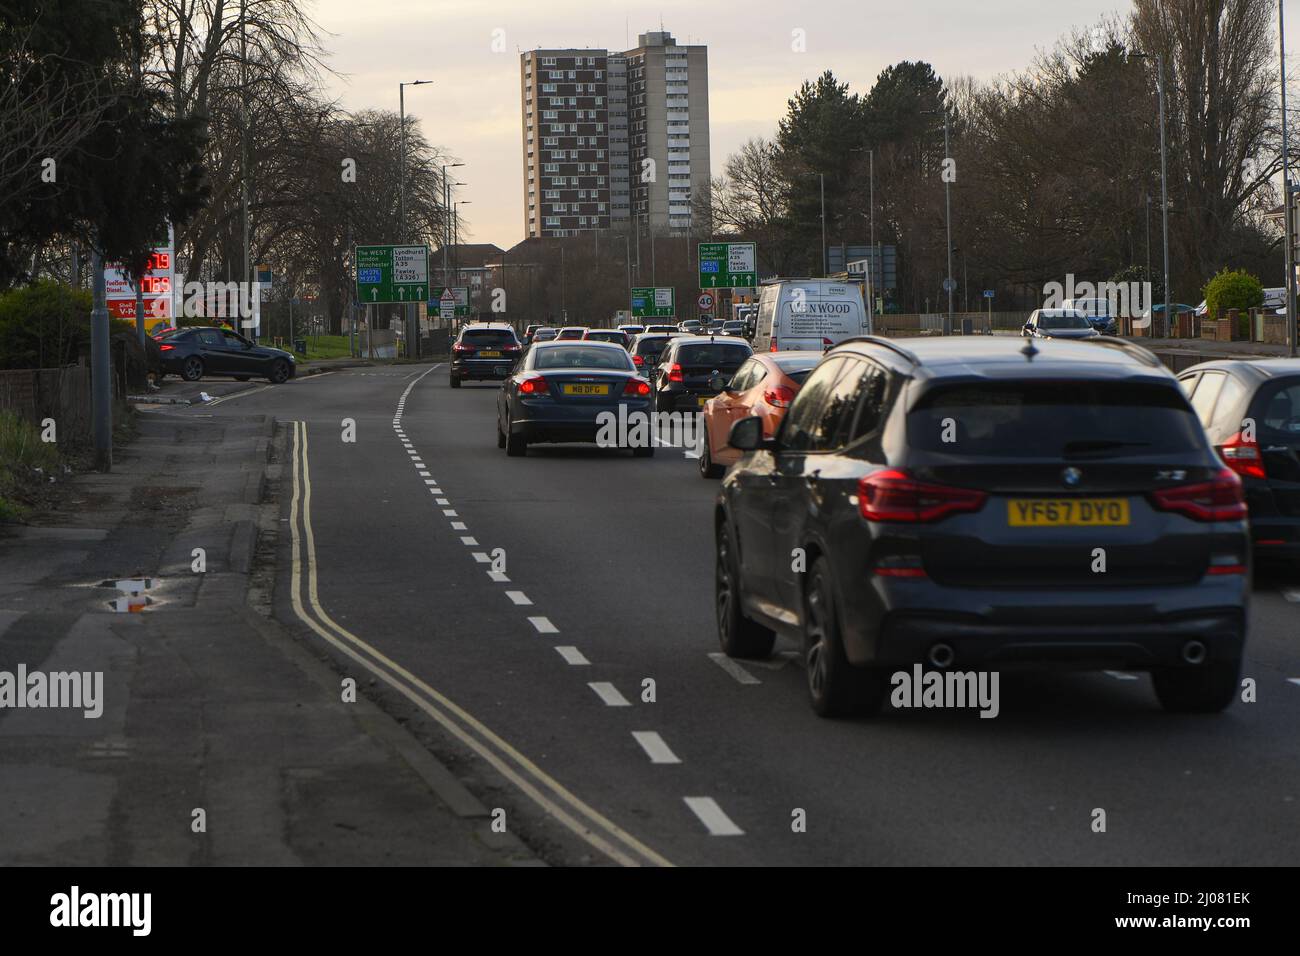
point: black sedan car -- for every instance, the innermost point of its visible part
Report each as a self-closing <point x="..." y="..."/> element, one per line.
<point x="967" y="506"/>
<point x="195" y="352"/>
<point x="1251" y="414"/>
<point x="690" y="367"/>
<point x="573" y="392"/>
<point x="484" y="351"/>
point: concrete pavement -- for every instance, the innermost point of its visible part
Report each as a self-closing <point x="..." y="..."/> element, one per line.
<point x="221" y="740"/>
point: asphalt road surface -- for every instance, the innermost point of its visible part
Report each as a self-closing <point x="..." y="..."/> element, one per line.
<point x="536" y="675"/>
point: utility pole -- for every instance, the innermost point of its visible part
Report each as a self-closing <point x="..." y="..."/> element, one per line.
<point x="1286" y="195"/>
<point x="1164" y="185"/>
<point x="871" y="202"/>
<point x="243" y="147"/>
<point x="101" y="382"/>
<point x="822" y="177"/>
<point x="947" y="214"/>
<point x="412" y="317"/>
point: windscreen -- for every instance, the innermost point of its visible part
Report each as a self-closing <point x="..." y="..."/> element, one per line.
<point x="1070" y="420"/>
<point x="484" y="338"/>
<point x="580" y="356"/>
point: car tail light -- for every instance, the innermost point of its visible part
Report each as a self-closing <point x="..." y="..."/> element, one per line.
<point x="637" y="387"/>
<point x="462" y="348"/>
<point x="675" y="373"/>
<point x="1242" y="456"/>
<point x="1226" y="564"/>
<point x="779" y="397"/>
<point x="510" y="348"/>
<point x="772" y="347"/>
<point x="637" y="360"/>
<point x="165" y="348"/>
<point x="534" y="386"/>
<point x="899" y="566"/>
<point x="894" y="495"/>
<point x="1218" y="500"/>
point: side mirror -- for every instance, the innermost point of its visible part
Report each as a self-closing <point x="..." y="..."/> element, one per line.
<point x="747" y="435"/>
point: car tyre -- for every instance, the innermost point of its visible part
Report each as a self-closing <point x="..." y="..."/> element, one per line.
<point x="737" y="634"/>
<point x="1205" y="689"/>
<point x="707" y="468"/>
<point x="279" y="372"/>
<point x="836" y="688"/>
<point x="501" y="436"/>
<point x="516" y="446"/>
<point x="455" y="381"/>
<point x="242" y="378"/>
<point x="192" y="369"/>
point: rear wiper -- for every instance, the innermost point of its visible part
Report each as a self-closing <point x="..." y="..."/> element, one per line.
<point x="1087" y="447"/>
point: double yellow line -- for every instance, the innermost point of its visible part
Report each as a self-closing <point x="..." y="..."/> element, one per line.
<point x="589" y="825"/>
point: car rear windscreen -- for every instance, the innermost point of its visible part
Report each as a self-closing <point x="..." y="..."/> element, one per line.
<point x="483" y="337"/>
<point x="580" y="356"/>
<point x="714" y="353"/>
<point x="1080" y="420"/>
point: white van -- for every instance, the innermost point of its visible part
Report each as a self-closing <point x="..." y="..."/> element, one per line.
<point x="809" y="314"/>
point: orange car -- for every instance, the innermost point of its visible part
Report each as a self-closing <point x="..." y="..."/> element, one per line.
<point x="764" y="386"/>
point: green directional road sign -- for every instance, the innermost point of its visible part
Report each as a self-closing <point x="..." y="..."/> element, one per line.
<point x="654" y="303"/>
<point x="728" y="265"/>
<point x="392" y="274"/>
<point x="461" y="294"/>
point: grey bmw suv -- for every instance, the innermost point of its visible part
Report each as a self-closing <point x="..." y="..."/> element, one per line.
<point x="982" y="503"/>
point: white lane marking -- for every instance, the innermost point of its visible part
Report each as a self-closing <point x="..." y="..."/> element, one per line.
<point x="482" y="558"/>
<point x="431" y="481"/>
<point x="735" y="670"/>
<point x="459" y="526"/>
<point x="1120" y="675"/>
<point x="499" y="577"/>
<point x="608" y="693"/>
<point x="424" y="474"/>
<point x="439" y="501"/>
<point x="572" y="656"/>
<point x="711" y="815"/>
<point x="1293" y="680"/>
<point x="654" y="746"/>
<point x="779" y="660"/>
<point x="469" y="542"/>
<point x="543" y="625"/>
<point x="450" y="512"/>
<point x="1292" y="595"/>
<point x="518" y="597"/>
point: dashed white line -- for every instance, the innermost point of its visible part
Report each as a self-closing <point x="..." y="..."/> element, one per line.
<point x="450" y="512"/>
<point x="572" y="656"/>
<point x="518" y="598"/>
<point x="1293" y="680"/>
<point x="499" y="577"/>
<point x="608" y="693"/>
<point x="543" y="625"/>
<point x="440" y="501"/>
<point x="1120" y="675"/>
<point x="711" y="815"/>
<point x="481" y="557"/>
<point x="1292" y="595"/>
<point x="459" y="526"/>
<point x="469" y="542"/>
<point x="431" y="481"/>
<point x="654" y="746"/>
<point x="735" y="670"/>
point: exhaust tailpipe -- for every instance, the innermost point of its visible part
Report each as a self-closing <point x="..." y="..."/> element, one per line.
<point x="941" y="655"/>
<point x="1194" y="652"/>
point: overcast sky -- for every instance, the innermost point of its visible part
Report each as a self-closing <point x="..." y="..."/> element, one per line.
<point x="473" y="109"/>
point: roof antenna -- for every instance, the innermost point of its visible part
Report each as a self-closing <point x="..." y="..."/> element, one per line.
<point x="1029" y="351"/>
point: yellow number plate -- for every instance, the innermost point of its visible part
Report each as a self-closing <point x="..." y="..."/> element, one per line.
<point x="705" y="398"/>
<point x="489" y="354"/>
<point x="1067" y="512"/>
<point x="586" y="389"/>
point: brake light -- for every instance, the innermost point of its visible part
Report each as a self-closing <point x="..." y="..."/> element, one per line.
<point x="165" y="348"/>
<point x="895" y="495"/>
<point x="510" y="348"/>
<point x="1242" y="456"/>
<point x="637" y="387"/>
<point x="637" y="360"/>
<point x="779" y="397"/>
<point x="675" y="373"/>
<point x="1218" y="500"/>
<point x="772" y="347"/>
<point x="534" y="386"/>
<point x="458" y="347"/>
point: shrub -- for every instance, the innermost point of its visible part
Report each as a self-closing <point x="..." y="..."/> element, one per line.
<point x="25" y="463"/>
<point x="47" y="325"/>
<point x="1232" y="289"/>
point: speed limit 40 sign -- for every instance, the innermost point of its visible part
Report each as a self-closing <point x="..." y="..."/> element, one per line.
<point x="705" y="301"/>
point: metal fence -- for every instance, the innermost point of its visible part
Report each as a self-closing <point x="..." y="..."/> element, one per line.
<point x="914" y="324"/>
<point x="62" y="394"/>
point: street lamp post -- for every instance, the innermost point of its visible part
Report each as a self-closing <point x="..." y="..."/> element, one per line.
<point x="412" y="317"/>
<point x="1164" y="184"/>
<point x="455" y="230"/>
<point x="1286" y="195"/>
<point x="822" y="178"/>
<point x="446" y="220"/>
<point x="949" y="284"/>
